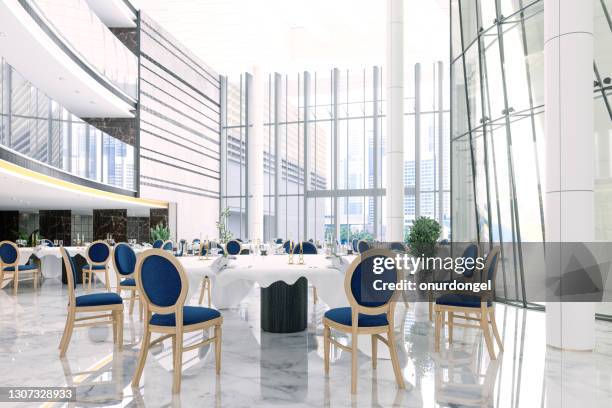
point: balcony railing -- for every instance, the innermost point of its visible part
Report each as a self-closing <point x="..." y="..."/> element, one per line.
<point x="81" y="29"/>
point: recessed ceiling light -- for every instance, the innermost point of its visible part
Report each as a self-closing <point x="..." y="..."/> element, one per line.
<point x="61" y="78"/>
<point x="77" y="91"/>
<point x="92" y="102"/>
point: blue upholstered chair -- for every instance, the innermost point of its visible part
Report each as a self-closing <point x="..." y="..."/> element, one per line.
<point x="163" y="286"/>
<point x="398" y="246"/>
<point x="90" y="303"/>
<point x="472" y="251"/>
<point x="124" y="263"/>
<point x="278" y="241"/>
<point x="233" y="247"/>
<point x="97" y="255"/>
<point x="287" y="246"/>
<point x="168" y="246"/>
<point x="463" y="305"/>
<point x="307" y="248"/>
<point x="354" y="245"/>
<point x="158" y="243"/>
<point x="9" y="264"/>
<point x="370" y="312"/>
<point x="46" y="242"/>
<point x="362" y="246"/>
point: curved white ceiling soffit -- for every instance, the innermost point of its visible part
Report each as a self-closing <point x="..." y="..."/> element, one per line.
<point x="41" y="61"/>
<point x="114" y="13"/>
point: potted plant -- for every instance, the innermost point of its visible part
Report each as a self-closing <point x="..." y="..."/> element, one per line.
<point x="224" y="233"/>
<point x="160" y="231"/>
<point x="422" y="238"/>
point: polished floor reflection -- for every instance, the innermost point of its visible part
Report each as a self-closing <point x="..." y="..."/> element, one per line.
<point x="262" y="369"/>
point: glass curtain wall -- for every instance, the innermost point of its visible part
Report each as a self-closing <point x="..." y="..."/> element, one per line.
<point x="324" y="144"/>
<point x="497" y="130"/>
<point x="39" y="128"/>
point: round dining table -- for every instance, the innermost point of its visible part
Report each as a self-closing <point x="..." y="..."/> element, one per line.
<point x="283" y="297"/>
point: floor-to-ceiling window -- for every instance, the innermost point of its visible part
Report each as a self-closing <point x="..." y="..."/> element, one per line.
<point x="497" y="110"/>
<point x="324" y="148"/>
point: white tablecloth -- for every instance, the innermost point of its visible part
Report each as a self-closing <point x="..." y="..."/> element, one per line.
<point x="50" y="258"/>
<point x="233" y="282"/>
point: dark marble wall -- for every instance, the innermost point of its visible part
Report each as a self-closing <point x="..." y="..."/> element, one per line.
<point x="124" y="129"/>
<point x="112" y="222"/>
<point x="9" y="225"/>
<point x="158" y="215"/>
<point x="55" y="224"/>
<point x="138" y="228"/>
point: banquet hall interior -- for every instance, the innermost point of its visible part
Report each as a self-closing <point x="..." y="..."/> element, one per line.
<point x="193" y="195"/>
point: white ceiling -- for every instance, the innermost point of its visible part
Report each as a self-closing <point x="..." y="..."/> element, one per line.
<point x="23" y="193"/>
<point x="294" y="35"/>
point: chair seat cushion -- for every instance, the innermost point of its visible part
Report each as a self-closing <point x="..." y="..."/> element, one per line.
<point x="128" y="282"/>
<point x="456" y="299"/>
<point x="343" y="315"/>
<point x="98" y="299"/>
<point x="95" y="267"/>
<point x="21" y="268"/>
<point x="191" y="315"/>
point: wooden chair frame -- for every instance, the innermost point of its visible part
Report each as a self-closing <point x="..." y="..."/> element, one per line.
<point x="430" y="293"/>
<point x="485" y="315"/>
<point x="115" y="317"/>
<point x="36" y="273"/>
<point x="90" y="273"/>
<point x="134" y="294"/>
<point x="205" y="280"/>
<point x="174" y="332"/>
<point x="355" y="330"/>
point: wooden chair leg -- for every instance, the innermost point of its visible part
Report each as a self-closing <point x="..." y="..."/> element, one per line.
<point x="107" y="279"/>
<point x="67" y="333"/>
<point x="218" y="349"/>
<point x="484" y="325"/>
<point x="394" y="359"/>
<point x="202" y="291"/>
<point x="115" y="326"/>
<point x="326" y="347"/>
<point x="35" y="279"/>
<point x="15" y="281"/>
<point x="83" y="281"/>
<point x="438" y="328"/>
<point x="354" y="351"/>
<point x="374" y="351"/>
<point x="140" y="307"/>
<point x="495" y="332"/>
<point x="132" y="301"/>
<point x="208" y="289"/>
<point x="120" y="329"/>
<point x="178" y="363"/>
<point x="91" y="275"/>
<point x="315" y="296"/>
<point x="451" y="316"/>
<point x="142" y="355"/>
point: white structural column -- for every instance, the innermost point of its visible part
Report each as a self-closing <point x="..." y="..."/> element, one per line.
<point x="255" y="166"/>
<point x="570" y="157"/>
<point x="394" y="184"/>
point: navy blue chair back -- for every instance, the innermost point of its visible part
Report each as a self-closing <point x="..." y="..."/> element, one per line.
<point x="490" y="268"/>
<point x="287" y="246"/>
<point x="398" y="246"/>
<point x="362" y="246"/>
<point x="354" y="245"/>
<point x="308" y="248"/>
<point x="168" y="245"/>
<point x="125" y="259"/>
<point x="278" y="241"/>
<point x="361" y="275"/>
<point x="233" y="247"/>
<point x="158" y="243"/>
<point x="98" y="252"/>
<point x="470" y="252"/>
<point x="161" y="279"/>
<point x="8" y="252"/>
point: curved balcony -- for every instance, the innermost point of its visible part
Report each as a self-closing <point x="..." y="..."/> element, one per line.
<point x="63" y="48"/>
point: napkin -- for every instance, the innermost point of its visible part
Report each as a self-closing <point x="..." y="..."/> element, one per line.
<point x="219" y="263"/>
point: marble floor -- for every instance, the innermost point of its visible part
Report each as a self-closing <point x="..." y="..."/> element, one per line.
<point x="264" y="370"/>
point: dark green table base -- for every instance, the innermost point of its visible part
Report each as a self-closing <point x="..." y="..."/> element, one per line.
<point x="284" y="308"/>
